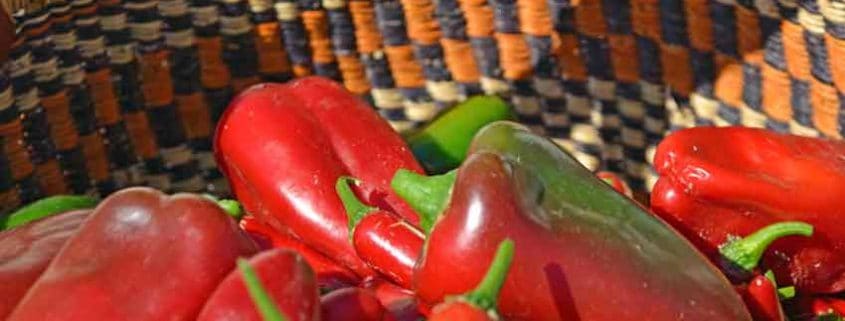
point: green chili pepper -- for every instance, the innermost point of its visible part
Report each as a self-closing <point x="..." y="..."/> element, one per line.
<point x="443" y="144"/>
<point x="46" y="207"/>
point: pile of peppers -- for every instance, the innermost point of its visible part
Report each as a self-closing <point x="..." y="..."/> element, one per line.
<point x="472" y="217"/>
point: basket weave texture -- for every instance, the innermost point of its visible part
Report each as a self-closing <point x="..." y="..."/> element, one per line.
<point x="100" y="95"/>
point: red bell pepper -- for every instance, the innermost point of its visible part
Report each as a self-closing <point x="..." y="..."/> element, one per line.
<point x="283" y="147"/>
<point x="716" y="183"/>
<point x="285" y="276"/>
<point x="330" y="275"/>
<point x="583" y="251"/>
<point x="480" y="304"/>
<point x="26" y="251"/>
<point x="141" y="255"/>
<point x="388" y="244"/>
<point x="353" y="304"/>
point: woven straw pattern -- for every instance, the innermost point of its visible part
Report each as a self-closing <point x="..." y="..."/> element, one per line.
<point x="101" y="95"/>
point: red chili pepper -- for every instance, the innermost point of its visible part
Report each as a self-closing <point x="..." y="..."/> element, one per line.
<point x="761" y="297"/>
<point x="141" y="255"/>
<point x="26" y="251"/>
<point x="388" y="244"/>
<point x="830" y="308"/>
<point x="479" y="304"/>
<point x="721" y="182"/>
<point x="401" y="303"/>
<point x="617" y="183"/>
<point x="283" y="147"/>
<point x="353" y="304"/>
<point x="330" y="275"/>
<point x="286" y="277"/>
<point x="583" y="251"/>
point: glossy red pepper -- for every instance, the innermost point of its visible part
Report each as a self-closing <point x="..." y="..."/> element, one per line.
<point x="617" y="183"/>
<point x="831" y="308"/>
<point x="330" y="274"/>
<point x="721" y="182"/>
<point x="388" y="244"/>
<point x="285" y="276"/>
<point x="26" y="251"/>
<point x="141" y="255"/>
<point x="583" y="251"/>
<point x="283" y="147"/>
<point x="479" y="304"/>
<point x="761" y="297"/>
<point x="353" y="304"/>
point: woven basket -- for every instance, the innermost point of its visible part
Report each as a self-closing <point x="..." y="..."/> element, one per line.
<point x="100" y="95"/>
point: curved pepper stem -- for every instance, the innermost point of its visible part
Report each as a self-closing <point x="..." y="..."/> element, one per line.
<point x="46" y="207"/>
<point x="231" y="207"/>
<point x="262" y="300"/>
<point x="746" y="252"/>
<point x="355" y="209"/>
<point x="486" y="294"/>
<point x="427" y="195"/>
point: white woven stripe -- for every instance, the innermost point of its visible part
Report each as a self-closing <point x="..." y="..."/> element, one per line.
<point x="443" y="90"/>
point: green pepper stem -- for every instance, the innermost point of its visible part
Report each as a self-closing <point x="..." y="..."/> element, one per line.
<point x="262" y="300"/>
<point x="355" y="209"/>
<point x="231" y="207"/>
<point x="746" y="252"/>
<point x="427" y="195"/>
<point x="486" y="294"/>
<point x="46" y="207"/>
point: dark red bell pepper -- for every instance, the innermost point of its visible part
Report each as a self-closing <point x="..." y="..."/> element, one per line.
<point x="583" y="251"/>
<point x="26" y="251"/>
<point x="353" y="304"/>
<point x="287" y="278"/>
<point x="141" y="255"/>
<point x="388" y="244"/>
<point x="283" y="147"/>
<point x="716" y="183"/>
<point x="480" y="304"/>
<point x="330" y="275"/>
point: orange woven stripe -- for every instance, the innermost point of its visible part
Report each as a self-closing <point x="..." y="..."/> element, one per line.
<point x="749" y="39"/>
<point x="38" y="31"/>
<point x="404" y="67"/>
<point x="645" y="18"/>
<point x="515" y="56"/>
<point x="825" y="108"/>
<point x="9" y="199"/>
<point x="776" y="93"/>
<point x="459" y="58"/>
<point x="728" y="86"/>
<point x="95" y="157"/>
<point x="317" y="28"/>
<point x="421" y="23"/>
<point x="573" y="67"/>
<point x="156" y="81"/>
<point x="50" y="178"/>
<point x="367" y="34"/>
<point x="141" y="135"/>
<point x="301" y="70"/>
<point x="354" y="76"/>
<point x="795" y="50"/>
<point x="214" y="73"/>
<point x="534" y="17"/>
<point x="723" y="61"/>
<point x="239" y="84"/>
<point x="194" y="114"/>
<point x="16" y="153"/>
<point x="479" y="17"/>
<point x="62" y="130"/>
<point x="836" y="48"/>
<point x="272" y="58"/>
<point x="106" y="106"/>
<point x="677" y="69"/>
<point x="699" y="25"/>
<point x="86" y="10"/>
<point x="623" y="53"/>
<point x="589" y="18"/>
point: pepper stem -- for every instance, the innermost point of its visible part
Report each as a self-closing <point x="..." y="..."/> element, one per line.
<point x="355" y="209"/>
<point x="231" y="207"/>
<point x="486" y="294"/>
<point x="427" y="195"/>
<point x="746" y="252"/>
<point x="262" y="300"/>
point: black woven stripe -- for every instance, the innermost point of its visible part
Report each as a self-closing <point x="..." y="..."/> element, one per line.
<point x="41" y="148"/>
<point x="154" y="166"/>
<point x="28" y="189"/>
<point x="342" y="32"/>
<point x="752" y="90"/>
<point x="673" y="24"/>
<point x="819" y="64"/>
<point x="542" y="58"/>
<point x="118" y="146"/>
<point x="522" y="87"/>
<point x="451" y="19"/>
<point x="649" y="57"/>
<point x="617" y="16"/>
<point x="415" y="94"/>
<point x="240" y="55"/>
<point x="471" y="89"/>
<point x="378" y="71"/>
<point x="106" y="187"/>
<point x="628" y="90"/>
<point x="486" y="54"/>
<point x="596" y="55"/>
<point x="431" y="59"/>
<point x="703" y="69"/>
<point x="185" y="70"/>
<point x="217" y="100"/>
<point x="730" y="115"/>
<point x="802" y="111"/>
<point x="563" y="16"/>
<point x="391" y="22"/>
<point x="296" y="43"/>
<point x="201" y="144"/>
<point x="127" y="87"/>
<point x="184" y="171"/>
<point x="556" y="105"/>
<point x="506" y="17"/>
<point x="166" y="126"/>
<point x="72" y="162"/>
<point x="397" y="114"/>
<point x="777" y="126"/>
<point x="329" y="70"/>
<point x="773" y="53"/>
<point x="7" y="180"/>
<point x="177" y="23"/>
<point x="724" y="28"/>
<point x="82" y="110"/>
<point x="264" y="16"/>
